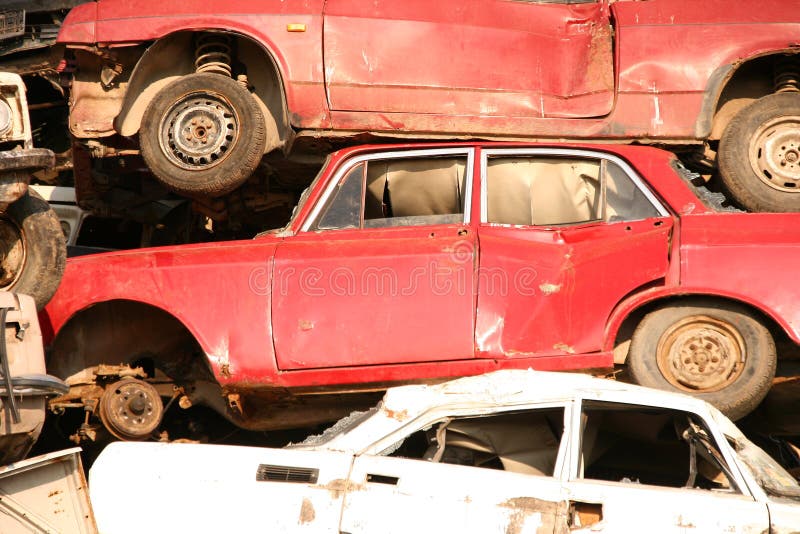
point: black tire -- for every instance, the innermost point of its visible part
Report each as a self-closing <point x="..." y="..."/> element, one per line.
<point x="759" y="155"/>
<point x="34" y="251"/>
<point x="715" y="351"/>
<point x="202" y="160"/>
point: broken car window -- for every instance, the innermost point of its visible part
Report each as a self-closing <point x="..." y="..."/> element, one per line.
<point x="414" y="191"/>
<point x="547" y="190"/>
<point x="344" y="207"/>
<point x="398" y="192"/>
<point x="654" y="446"/>
<point x="521" y="442"/>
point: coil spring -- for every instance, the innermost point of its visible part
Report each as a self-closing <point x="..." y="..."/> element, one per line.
<point x="787" y="76"/>
<point x="213" y="54"/>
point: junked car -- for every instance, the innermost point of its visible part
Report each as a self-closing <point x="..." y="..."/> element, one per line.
<point x="421" y="262"/>
<point x="511" y="451"/>
<point x="204" y="88"/>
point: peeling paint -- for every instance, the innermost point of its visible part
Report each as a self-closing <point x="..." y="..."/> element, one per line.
<point x="305" y="324"/>
<point x="549" y="289"/>
<point x="307" y="513"/>
<point x="338" y="487"/>
<point x="564" y="348"/>
<point x="528" y="514"/>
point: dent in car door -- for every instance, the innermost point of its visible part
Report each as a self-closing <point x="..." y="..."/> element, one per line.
<point x="385" y="273"/>
<point x="566" y="236"/>
<point x="495" y="58"/>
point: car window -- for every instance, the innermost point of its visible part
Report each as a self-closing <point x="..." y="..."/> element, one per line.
<point x="556" y="190"/>
<point x="521" y="442"/>
<point x="645" y="445"/>
<point x="391" y="192"/>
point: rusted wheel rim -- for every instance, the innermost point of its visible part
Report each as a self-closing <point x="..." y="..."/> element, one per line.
<point x="700" y="353"/>
<point x="199" y="130"/>
<point x="775" y="153"/>
<point x="131" y="409"/>
<point x="12" y="252"/>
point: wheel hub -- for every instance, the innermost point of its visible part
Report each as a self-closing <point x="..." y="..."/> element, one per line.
<point x="12" y="253"/>
<point x="198" y="131"/>
<point x="131" y="409"/>
<point x="701" y="354"/>
<point x="775" y="153"/>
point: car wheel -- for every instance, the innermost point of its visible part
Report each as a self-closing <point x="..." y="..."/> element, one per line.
<point x="203" y="134"/>
<point x="759" y="154"/>
<point x="34" y="250"/>
<point x="715" y="351"/>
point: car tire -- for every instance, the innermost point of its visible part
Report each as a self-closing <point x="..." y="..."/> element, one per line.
<point x="34" y="249"/>
<point x="203" y="135"/>
<point x="715" y="351"/>
<point x="759" y="155"/>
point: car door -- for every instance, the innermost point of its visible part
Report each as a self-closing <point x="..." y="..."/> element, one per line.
<point x="637" y="465"/>
<point x="383" y="270"/>
<point x="565" y="236"/>
<point x="469" y="472"/>
<point x="528" y="58"/>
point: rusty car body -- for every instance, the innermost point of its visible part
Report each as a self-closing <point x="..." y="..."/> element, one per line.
<point x="421" y="262"/>
<point x="217" y="82"/>
<point x="511" y="451"/>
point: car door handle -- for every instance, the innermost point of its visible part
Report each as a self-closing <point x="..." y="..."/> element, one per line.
<point x="382" y="479"/>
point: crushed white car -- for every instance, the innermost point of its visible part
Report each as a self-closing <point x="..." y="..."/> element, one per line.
<point x="507" y="452"/>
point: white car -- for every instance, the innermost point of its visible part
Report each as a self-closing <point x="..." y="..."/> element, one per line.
<point x="507" y="452"/>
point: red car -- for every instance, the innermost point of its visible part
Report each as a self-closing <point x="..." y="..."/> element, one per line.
<point x="211" y="85"/>
<point x="417" y="262"/>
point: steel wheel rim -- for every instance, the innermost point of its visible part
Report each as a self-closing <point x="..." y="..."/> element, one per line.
<point x="199" y="130"/>
<point x="775" y="154"/>
<point x="13" y="252"/>
<point x="701" y="353"/>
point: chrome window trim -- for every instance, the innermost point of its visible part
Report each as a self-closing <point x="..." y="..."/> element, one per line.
<point x="632" y="174"/>
<point x="396" y="154"/>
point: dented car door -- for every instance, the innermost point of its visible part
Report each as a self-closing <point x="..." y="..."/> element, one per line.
<point x="565" y="236"/>
<point x="468" y="472"/>
<point x="481" y="57"/>
<point x="383" y="269"/>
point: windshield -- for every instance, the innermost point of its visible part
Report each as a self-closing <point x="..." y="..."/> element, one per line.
<point x="772" y="478"/>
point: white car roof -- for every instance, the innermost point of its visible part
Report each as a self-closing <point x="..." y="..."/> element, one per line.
<point x="527" y="386"/>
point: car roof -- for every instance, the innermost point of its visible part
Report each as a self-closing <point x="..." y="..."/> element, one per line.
<point x="513" y="387"/>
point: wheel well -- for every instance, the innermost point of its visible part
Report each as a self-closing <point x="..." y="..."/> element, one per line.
<point x="626" y="329"/>
<point x="173" y="56"/>
<point x="126" y="332"/>
<point x="750" y="81"/>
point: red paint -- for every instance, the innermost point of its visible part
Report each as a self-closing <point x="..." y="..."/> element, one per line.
<point x="270" y="330"/>
<point x="481" y="67"/>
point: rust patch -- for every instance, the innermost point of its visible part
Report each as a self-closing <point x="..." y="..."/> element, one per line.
<point x="550" y="289"/>
<point x="523" y="507"/>
<point x="340" y="486"/>
<point x="307" y="514"/>
<point x="564" y="348"/>
<point x="305" y="324"/>
<point x="402" y="415"/>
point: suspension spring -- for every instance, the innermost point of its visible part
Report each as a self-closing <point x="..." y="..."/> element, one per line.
<point x="787" y="75"/>
<point x="213" y="54"/>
